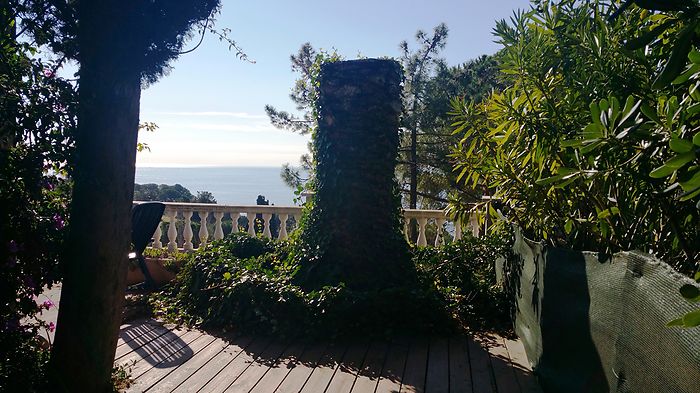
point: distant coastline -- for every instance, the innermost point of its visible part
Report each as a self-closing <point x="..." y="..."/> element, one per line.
<point x="229" y="184"/>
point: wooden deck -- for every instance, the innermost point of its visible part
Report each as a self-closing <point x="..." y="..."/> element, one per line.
<point x="168" y="359"/>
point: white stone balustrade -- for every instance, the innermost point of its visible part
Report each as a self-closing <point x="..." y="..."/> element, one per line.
<point x="178" y="220"/>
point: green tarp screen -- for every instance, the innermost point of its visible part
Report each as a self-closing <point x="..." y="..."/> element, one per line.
<point x="593" y="323"/>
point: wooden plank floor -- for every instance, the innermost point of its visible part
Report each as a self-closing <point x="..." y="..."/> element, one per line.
<point x="168" y="359"/>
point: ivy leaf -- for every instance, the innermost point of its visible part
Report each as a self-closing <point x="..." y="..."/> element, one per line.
<point x="696" y="139"/>
<point x="227" y="276"/>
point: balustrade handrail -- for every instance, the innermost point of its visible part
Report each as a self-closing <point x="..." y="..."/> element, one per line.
<point x="181" y="238"/>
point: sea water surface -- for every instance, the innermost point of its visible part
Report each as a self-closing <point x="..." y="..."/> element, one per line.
<point x="229" y="185"/>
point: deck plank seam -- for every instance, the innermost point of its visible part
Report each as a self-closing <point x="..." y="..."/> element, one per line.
<point x="229" y="362"/>
<point x="359" y="367"/>
<point x="254" y="359"/>
<point x="269" y="367"/>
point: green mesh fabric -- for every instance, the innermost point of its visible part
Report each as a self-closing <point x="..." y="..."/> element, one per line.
<point x="595" y="323"/>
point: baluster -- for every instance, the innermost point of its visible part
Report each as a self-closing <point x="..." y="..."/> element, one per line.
<point x="297" y="218"/>
<point x="422" y="241"/>
<point x="251" y="223"/>
<point x="439" y="240"/>
<point x="156" y="237"/>
<point x="203" y="232"/>
<point x="474" y="223"/>
<point x="283" y="227"/>
<point x="187" y="232"/>
<point x="458" y="229"/>
<point x="266" y="219"/>
<point x="234" y="221"/>
<point x="218" y="231"/>
<point x="172" y="231"/>
<point x="406" y="221"/>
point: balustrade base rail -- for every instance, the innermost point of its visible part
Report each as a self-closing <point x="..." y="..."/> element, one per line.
<point x="181" y="220"/>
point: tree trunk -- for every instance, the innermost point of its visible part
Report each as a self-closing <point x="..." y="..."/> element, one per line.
<point x="100" y="227"/>
<point x="413" y="185"/>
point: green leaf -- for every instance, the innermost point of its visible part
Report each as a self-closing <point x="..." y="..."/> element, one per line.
<point x="679" y="145"/>
<point x="682" y="78"/>
<point x="696" y="139"/>
<point x="694" y="56"/>
<point x="678" y="58"/>
<point x="227" y="276"/>
<point x="693" y="182"/>
<point x="608" y="212"/>
<point x="649" y="112"/>
<point x="662" y="171"/>
<point x="690" y="292"/>
<point x="690" y="195"/>
<point x="697" y="276"/>
<point x="645" y="38"/>
<point x="568" y="226"/>
<point x="595" y="112"/>
<point x="678" y="322"/>
<point x="691" y="319"/>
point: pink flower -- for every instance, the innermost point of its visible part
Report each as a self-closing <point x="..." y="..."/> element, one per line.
<point x="52" y="326"/>
<point x="48" y="73"/>
<point x="48" y="304"/>
<point x="58" y="221"/>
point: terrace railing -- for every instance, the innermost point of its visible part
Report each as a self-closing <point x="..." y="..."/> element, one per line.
<point x="182" y="227"/>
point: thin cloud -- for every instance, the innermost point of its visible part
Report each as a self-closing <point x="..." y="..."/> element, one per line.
<point x="238" y="115"/>
<point x="247" y="128"/>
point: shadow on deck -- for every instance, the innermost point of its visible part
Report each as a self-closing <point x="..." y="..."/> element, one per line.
<point x="167" y="359"/>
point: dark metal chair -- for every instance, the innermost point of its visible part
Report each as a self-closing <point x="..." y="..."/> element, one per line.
<point x="145" y="218"/>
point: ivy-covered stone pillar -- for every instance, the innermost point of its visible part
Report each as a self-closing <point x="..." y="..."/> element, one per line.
<point x="354" y="227"/>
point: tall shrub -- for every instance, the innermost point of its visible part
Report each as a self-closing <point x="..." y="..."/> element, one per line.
<point x="570" y="145"/>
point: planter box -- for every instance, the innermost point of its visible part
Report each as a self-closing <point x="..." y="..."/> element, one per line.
<point x="159" y="273"/>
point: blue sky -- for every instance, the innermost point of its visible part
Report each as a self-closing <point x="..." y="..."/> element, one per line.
<point x="209" y="109"/>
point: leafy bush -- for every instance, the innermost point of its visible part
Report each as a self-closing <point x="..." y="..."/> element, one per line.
<point x="464" y="275"/>
<point x="246" y="284"/>
<point x="587" y="147"/>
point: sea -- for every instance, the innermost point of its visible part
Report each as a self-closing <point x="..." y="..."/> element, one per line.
<point x="229" y="185"/>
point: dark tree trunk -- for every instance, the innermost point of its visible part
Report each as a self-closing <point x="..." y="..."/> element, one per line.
<point x="355" y="220"/>
<point x="413" y="185"/>
<point x="98" y="242"/>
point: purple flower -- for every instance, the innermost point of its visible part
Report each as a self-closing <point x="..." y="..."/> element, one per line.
<point x="47" y="184"/>
<point x="52" y="326"/>
<point x="47" y="304"/>
<point x="13" y="247"/>
<point x="58" y="221"/>
<point x="48" y="73"/>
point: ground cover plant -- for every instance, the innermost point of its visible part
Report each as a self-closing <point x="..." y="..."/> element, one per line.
<point x="246" y="284"/>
